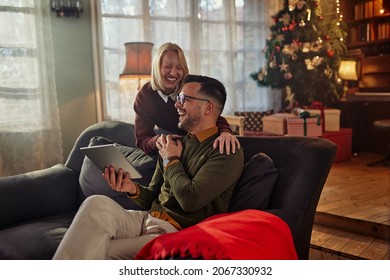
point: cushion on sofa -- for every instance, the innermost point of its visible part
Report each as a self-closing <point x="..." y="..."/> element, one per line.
<point x="255" y="184"/>
<point x="92" y="182"/>
<point x="36" y="239"/>
<point x="242" y="235"/>
<point x="253" y="119"/>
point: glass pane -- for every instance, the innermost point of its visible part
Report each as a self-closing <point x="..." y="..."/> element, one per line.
<point x="17" y="3"/>
<point x="117" y="31"/>
<point x="122" y="7"/>
<point x="213" y="36"/>
<point x="21" y="33"/>
<point x="178" y="33"/>
<point x="16" y="69"/>
<point x="169" y="8"/>
<point x="214" y="64"/>
<point x="212" y="10"/>
<point x="114" y="63"/>
<point x="26" y="115"/>
<point x="240" y="10"/>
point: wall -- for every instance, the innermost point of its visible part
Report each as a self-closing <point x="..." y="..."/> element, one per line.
<point x="72" y="42"/>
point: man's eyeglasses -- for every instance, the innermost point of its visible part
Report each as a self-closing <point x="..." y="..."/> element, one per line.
<point x="182" y="98"/>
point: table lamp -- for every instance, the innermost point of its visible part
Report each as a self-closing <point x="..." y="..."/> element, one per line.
<point x="138" y="61"/>
<point x="347" y="72"/>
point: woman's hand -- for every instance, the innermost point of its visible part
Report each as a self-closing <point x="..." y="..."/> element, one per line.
<point x="227" y="140"/>
<point x="120" y="182"/>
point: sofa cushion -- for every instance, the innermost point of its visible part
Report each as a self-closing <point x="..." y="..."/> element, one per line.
<point x="92" y="182"/>
<point x="255" y="184"/>
<point x="253" y="119"/>
<point x="36" y="239"/>
<point x="243" y="235"/>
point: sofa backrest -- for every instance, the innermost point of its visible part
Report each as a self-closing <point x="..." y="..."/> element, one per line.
<point x="303" y="164"/>
<point x="119" y="132"/>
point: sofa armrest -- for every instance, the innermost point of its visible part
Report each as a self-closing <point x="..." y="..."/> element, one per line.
<point x="38" y="194"/>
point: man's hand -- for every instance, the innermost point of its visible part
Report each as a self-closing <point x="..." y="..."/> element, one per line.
<point x="228" y="141"/>
<point x="162" y="138"/>
<point x="120" y="182"/>
<point x="167" y="147"/>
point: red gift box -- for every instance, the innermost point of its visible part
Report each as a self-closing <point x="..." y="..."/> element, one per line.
<point x="343" y="139"/>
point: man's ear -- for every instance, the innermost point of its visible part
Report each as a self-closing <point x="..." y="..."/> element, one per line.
<point x="209" y="108"/>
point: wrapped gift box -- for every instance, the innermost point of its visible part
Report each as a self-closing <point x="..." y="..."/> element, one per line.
<point x="276" y="124"/>
<point x="331" y="118"/>
<point x="297" y="126"/>
<point x="343" y="139"/>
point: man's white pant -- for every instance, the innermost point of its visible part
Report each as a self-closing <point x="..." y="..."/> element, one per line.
<point x="102" y="229"/>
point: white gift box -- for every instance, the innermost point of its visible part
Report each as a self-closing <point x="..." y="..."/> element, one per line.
<point x="331" y="118"/>
<point x="276" y="124"/>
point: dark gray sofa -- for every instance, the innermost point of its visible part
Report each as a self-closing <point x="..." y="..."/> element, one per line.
<point x="36" y="208"/>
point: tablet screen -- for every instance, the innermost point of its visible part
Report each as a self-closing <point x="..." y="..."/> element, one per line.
<point x="109" y="155"/>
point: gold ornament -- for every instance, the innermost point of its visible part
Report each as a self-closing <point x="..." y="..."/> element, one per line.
<point x="283" y="66"/>
<point x="328" y="72"/>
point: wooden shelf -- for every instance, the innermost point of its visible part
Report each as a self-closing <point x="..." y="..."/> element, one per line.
<point x="382" y="17"/>
<point x="368" y="43"/>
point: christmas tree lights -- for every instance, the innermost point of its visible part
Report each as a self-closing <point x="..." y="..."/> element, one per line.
<point x="303" y="53"/>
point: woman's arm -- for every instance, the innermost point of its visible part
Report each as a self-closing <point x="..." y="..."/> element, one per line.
<point x="145" y="137"/>
<point x="144" y="134"/>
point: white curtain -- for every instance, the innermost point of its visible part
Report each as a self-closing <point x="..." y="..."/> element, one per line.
<point x="30" y="136"/>
<point x="221" y="38"/>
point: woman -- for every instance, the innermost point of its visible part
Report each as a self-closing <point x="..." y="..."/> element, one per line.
<point x="154" y="103"/>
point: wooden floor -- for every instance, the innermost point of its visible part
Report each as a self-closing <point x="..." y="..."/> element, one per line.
<point x="353" y="214"/>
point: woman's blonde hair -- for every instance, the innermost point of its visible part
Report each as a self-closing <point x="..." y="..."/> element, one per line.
<point x="157" y="79"/>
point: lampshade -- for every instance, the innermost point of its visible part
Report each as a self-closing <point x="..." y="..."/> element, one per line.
<point x="347" y="70"/>
<point x="138" y="60"/>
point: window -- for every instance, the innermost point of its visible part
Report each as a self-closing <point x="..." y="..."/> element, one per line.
<point x="221" y="38"/>
<point x="22" y="79"/>
<point x="29" y="121"/>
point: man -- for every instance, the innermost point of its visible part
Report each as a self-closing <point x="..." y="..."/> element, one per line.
<point x="192" y="182"/>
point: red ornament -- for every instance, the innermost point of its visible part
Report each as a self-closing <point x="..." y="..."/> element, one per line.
<point x="327" y="37"/>
<point x="316" y="4"/>
<point x="331" y="53"/>
<point x="277" y="48"/>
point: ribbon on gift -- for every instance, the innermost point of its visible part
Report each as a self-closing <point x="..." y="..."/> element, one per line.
<point x="319" y="106"/>
<point x="304" y="115"/>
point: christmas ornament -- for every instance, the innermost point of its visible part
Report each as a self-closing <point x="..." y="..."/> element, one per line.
<point x="328" y="71"/>
<point x="286" y="19"/>
<point x="331" y="53"/>
<point x="287" y="76"/>
<point x="303" y="52"/>
<point x="260" y="76"/>
<point x="283" y="66"/>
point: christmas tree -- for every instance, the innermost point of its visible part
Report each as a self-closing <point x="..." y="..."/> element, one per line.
<point x="303" y="53"/>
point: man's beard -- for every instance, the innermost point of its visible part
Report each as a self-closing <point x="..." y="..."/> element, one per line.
<point x="190" y="121"/>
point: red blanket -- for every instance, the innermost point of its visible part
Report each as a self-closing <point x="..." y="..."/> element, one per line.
<point x="243" y="235"/>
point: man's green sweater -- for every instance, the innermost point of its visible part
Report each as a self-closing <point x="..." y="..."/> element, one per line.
<point x="198" y="186"/>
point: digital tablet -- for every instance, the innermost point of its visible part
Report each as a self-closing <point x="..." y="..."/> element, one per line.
<point x="110" y="155"/>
